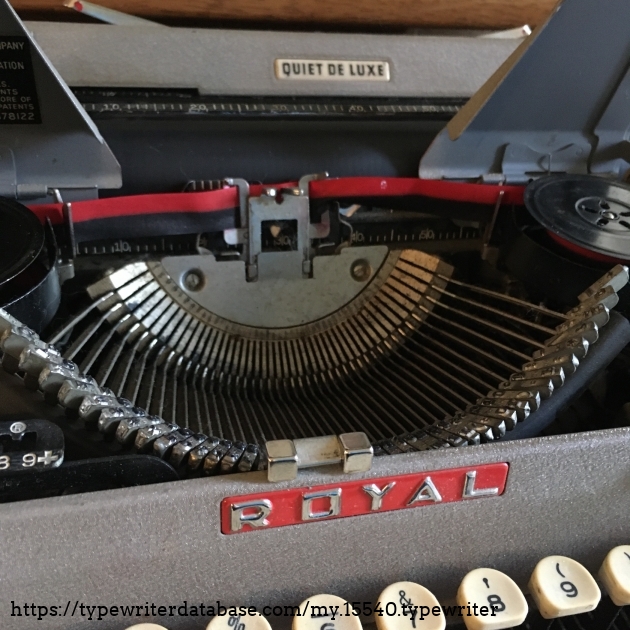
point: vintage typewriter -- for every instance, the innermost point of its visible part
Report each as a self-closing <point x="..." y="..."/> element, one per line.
<point x="231" y="376"/>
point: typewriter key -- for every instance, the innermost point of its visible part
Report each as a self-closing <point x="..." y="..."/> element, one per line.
<point x="491" y="600"/>
<point x="408" y="606"/>
<point x="561" y="586"/>
<point x="240" y="622"/>
<point x="615" y="575"/>
<point x="327" y="612"/>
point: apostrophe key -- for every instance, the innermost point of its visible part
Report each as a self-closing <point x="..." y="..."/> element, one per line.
<point x="615" y="575"/>
<point x="326" y="612"/>
<point x="561" y="586"/>
<point x="416" y="608"/>
<point x="491" y="601"/>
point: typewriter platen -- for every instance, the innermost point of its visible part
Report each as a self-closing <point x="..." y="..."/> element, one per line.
<point x="263" y="375"/>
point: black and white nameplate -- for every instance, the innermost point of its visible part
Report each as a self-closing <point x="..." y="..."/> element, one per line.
<point x="18" y="96"/>
<point x="331" y="70"/>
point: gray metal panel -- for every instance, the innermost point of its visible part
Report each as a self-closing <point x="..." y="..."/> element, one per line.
<point x="567" y="495"/>
<point x="66" y="150"/>
<point x="538" y="113"/>
<point x="612" y="154"/>
<point x="237" y="62"/>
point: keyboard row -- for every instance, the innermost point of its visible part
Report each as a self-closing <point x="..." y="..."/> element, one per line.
<point x="487" y="599"/>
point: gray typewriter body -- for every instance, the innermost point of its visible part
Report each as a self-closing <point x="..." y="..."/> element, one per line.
<point x="566" y="495"/>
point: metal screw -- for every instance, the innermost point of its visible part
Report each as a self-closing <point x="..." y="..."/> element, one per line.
<point x="17" y="427"/>
<point x="609" y="215"/>
<point x="193" y="280"/>
<point x="361" y="270"/>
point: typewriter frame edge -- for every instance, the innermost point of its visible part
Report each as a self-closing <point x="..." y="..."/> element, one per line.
<point x="187" y="545"/>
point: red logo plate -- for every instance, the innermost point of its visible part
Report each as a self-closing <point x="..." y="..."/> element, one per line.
<point x="365" y="496"/>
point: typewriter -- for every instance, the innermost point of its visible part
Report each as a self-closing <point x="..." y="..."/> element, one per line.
<point x="295" y="320"/>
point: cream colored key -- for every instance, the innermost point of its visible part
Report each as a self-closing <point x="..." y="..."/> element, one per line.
<point x="242" y="622"/>
<point x="146" y="626"/>
<point x="325" y="612"/>
<point x="561" y="586"/>
<point x="615" y="575"/>
<point x="415" y="608"/>
<point x="491" y="601"/>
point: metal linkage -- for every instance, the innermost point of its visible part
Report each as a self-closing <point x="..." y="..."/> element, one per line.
<point x="554" y="361"/>
<point x="62" y="382"/>
<point x="468" y="387"/>
<point x="149" y="342"/>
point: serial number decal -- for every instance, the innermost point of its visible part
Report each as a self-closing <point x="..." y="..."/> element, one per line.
<point x="366" y="496"/>
<point x="331" y="70"/>
<point x="18" y="95"/>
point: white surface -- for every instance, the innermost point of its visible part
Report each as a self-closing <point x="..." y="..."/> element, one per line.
<point x="561" y="586"/>
<point x="412" y="595"/>
<point x="340" y="608"/>
<point x="248" y="622"/>
<point x="615" y="575"/>
<point x="488" y="588"/>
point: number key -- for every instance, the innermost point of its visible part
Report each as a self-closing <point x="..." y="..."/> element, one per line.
<point x="327" y="612"/>
<point x="413" y="608"/>
<point x="615" y="575"/>
<point x="241" y="622"/>
<point x="491" y="601"/>
<point x="561" y="586"/>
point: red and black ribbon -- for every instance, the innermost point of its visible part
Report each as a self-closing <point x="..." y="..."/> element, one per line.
<point x="168" y="214"/>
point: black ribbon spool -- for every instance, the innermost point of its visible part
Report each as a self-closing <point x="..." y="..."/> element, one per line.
<point x="585" y="211"/>
<point x="29" y="285"/>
